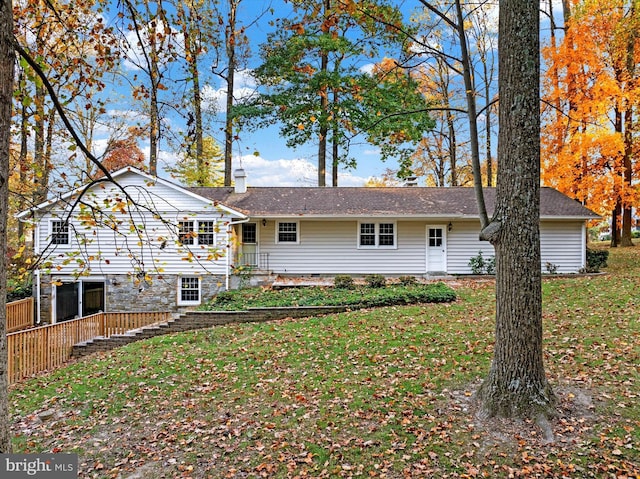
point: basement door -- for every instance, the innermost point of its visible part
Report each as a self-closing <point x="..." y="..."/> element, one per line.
<point x="436" y="249"/>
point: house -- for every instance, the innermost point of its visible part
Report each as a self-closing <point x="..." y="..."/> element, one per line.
<point x="149" y="244"/>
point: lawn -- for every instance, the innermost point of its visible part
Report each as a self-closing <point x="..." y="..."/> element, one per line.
<point x="381" y="392"/>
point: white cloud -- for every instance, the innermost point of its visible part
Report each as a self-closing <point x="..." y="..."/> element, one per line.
<point x="287" y="172"/>
<point x="134" y="53"/>
<point x="368" y="68"/>
<point x="243" y="89"/>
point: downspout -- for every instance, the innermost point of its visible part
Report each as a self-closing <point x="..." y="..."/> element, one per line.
<point x="585" y="245"/>
<point x="228" y="268"/>
<point x="37" y="298"/>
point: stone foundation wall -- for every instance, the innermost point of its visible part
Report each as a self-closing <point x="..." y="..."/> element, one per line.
<point x="121" y="294"/>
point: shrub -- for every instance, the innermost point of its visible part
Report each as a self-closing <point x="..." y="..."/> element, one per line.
<point x="362" y="297"/>
<point x="551" y="268"/>
<point x="596" y="259"/>
<point x="375" y="281"/>
<point x="480" y="265"/>
<point x="407" y="280"/>
<point x="18" y="290"/>
<point x="343" y="281"/>
<point x="490" y="265"/>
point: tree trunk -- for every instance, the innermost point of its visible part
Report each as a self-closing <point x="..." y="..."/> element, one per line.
<point x="470" y="89"/>
<point x="231" y="75"/>
<point x="516" y="385"/>
<point x="453" y="156"/>
<point x="487" y="126"/>
<point x="629" y="127"/>
<point x="324" y="111"/>
<point x="615" y="229"/>
<point x="334" y="158"/>
<point x="627" y="217"/>
<point x="7" y="61"/>
<point x="186" y="15"/>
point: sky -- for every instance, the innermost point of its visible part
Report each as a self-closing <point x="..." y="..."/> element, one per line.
<point x="263" y="153"/>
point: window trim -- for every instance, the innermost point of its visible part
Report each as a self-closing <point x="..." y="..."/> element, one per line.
<point x="213" y="233"/>
<point x="377" y="235"/>
<point x="183" y="302"/>
<point x="255" y="227"/>
<point x="297" y="232"/>
<point x="55" y="234"/>
<point x="195" y="231"/>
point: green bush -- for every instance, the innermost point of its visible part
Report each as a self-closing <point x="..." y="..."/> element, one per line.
<point x="375" y="281"/>
<point x="343" y="281"/>
<point x="362" y="297"/>
<point x="18" y="290"/>
<point x="407" y="280"/>
<point x="596" y="259"/>
<point x="481" y="265"/>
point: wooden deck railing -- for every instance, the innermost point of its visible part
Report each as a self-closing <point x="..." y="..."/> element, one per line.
<point x="46" y="347"/>
<point x="19" y="315"/>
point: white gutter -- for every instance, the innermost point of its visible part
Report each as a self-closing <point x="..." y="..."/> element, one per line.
<point x="228" y="268"/>
<point x="37" y="298"/>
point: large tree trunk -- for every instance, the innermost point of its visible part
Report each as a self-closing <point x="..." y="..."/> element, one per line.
<point x="7" y="61"/>
<point x="230" y="40"/>
<point x="517" y="385"/>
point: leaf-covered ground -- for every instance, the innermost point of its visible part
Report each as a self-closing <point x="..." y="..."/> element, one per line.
<point x="377" y="393"/>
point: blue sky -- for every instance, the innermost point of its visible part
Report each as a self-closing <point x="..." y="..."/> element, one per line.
<point x="263" y="153"/>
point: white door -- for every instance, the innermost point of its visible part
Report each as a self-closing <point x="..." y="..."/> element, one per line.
<point x="436" y="249"/>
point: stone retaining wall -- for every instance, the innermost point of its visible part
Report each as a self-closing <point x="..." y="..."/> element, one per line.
<point x="201" y="320"/>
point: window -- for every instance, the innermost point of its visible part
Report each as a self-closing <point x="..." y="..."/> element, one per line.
<point x="189" y="290"/>
<point x="435" y="237"/>
<point x="206" y="232"/>
<point x="185" y="232"/>
<point x="249" y="233"/>
<point x="386" y="235"/>
<point x="288" y="232"/>
<point x="59" y="232"/>
<point x="197" y="232"/>
<point x="377" y="235"/>
<point x="368" y="234"/>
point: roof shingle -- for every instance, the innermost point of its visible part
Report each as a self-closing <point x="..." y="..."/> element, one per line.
<point x="359" y="201"/>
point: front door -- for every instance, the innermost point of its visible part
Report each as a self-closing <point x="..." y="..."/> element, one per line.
<point x="249" y="246"/>
<point x="436" y="249"/>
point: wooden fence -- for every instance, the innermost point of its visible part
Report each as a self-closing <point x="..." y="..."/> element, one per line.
<point x="46" y="347"/>
<point x="19" y="315"/>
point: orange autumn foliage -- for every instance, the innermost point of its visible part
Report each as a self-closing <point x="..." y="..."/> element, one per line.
<point x="591" y="91"/>
<point x="122" y="153"/>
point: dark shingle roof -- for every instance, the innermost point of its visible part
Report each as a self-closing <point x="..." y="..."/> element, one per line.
<point x="360" y="201"/>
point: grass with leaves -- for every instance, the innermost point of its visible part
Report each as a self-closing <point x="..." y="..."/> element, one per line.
<point x="381" y="392"/>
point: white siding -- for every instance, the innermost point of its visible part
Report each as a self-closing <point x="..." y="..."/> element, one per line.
<point x="463" y="244"/>
<point x="331" y="247"/>
<point x="561" y="242"/>
<point x="104" y="251"/>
